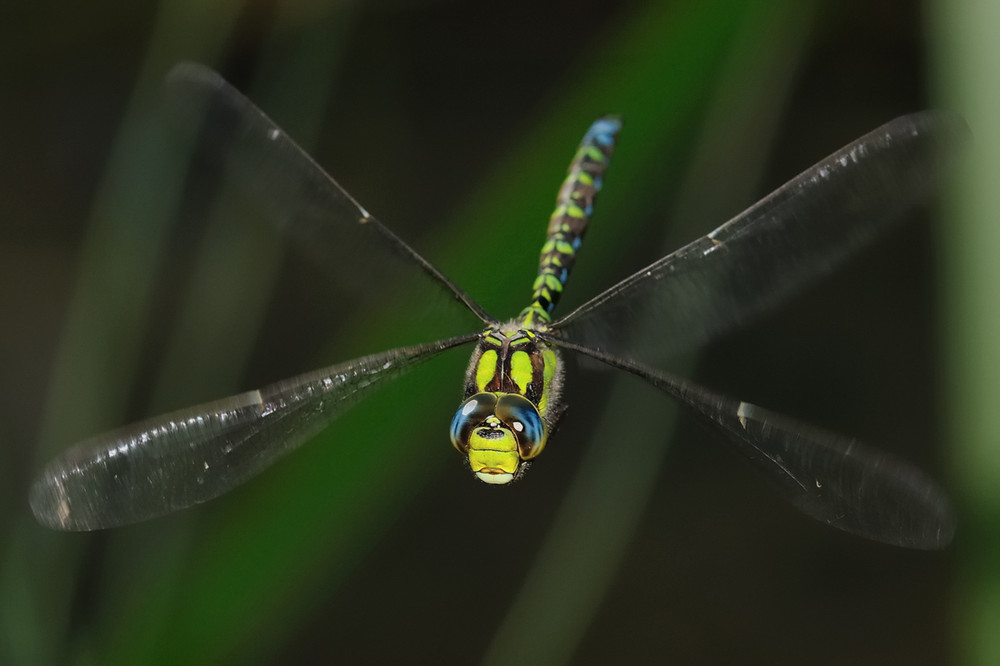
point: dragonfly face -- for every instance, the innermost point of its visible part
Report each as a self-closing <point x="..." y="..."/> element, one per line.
<point x="499" y="432"/>
<point x="510" y="390"/>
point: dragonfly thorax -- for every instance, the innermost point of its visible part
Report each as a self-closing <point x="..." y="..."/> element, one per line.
<point x="510" y="389"/>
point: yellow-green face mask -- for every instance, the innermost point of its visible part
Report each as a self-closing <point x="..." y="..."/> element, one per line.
<point x="498" y="432"/>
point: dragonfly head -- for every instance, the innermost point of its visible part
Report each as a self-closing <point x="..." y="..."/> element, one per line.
<point x="499" y="432"/>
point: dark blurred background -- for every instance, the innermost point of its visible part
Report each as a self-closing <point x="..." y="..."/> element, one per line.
<point x="124" y="294"/>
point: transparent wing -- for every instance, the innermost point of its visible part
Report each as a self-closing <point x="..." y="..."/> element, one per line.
<point x="190" y="456"/>
<point x="829" y="477"/>
<point x="773" y="249"/>
<point x="270" y="169"/>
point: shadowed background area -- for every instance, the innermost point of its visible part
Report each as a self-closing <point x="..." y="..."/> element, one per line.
<point x="135" y="280"/>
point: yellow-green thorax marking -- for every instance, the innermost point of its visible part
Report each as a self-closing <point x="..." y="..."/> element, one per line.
<point x="513" y="382"/>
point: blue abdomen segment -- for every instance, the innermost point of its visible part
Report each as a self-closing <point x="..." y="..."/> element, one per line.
<point x="568" y="223"/>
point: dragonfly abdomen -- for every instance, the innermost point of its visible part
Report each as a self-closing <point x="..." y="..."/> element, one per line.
<point x="568" y="222"/>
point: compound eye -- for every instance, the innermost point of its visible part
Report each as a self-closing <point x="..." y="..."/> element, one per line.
<point x="521" y="416"/>
<point x="471" y="414"/>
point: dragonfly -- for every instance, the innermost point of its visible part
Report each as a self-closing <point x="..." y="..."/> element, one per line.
<point x="513" y="386"/>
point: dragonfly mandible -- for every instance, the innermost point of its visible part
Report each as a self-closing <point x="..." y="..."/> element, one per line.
<point x="759" y="258"/>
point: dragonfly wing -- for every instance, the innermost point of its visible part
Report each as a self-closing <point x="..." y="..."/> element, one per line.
<point x="775" y="248"/>
<point x="272" y="171"/>
<point x="829" y="477"/>
<point x="190" y="456"/>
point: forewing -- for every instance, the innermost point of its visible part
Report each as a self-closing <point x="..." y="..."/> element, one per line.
<point x="296" y="194"/>
<point x="775" y="248"/>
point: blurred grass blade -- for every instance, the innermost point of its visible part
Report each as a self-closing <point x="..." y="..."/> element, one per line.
<point x="582" y="555"/>
<point x="966" y="77"/>
<point x="95" y="365"/>
<point x="218" y="334"/>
